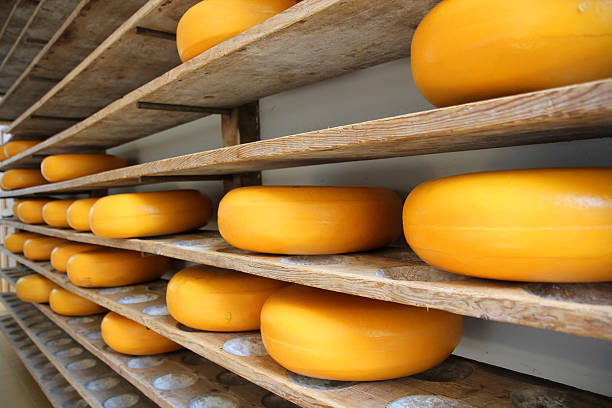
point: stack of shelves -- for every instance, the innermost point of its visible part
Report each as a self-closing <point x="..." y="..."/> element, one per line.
<point x="89" y="110"/>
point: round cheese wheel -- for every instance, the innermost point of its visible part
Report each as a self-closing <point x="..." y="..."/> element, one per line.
<point x="21" y="178"/>
<point x="61" y="254"/>
<point x="54" y="213"/>
<point x="232" y="300"/>
<point x="15" y="204"/>
<point x="468" y="50"/>
<point x="309" y="220"/>
<point x="128" y="337"/>
<point x="331" y="335"/>
<point x="62" y="167"/>
<point x="3" y="155"/>
<point x="34" y="288"/>
<point x="39" y="249"/>
<point x="540" y="225"/>
<point x="31" y="211"/>
<point x="148" y="214"/>
<point x="114" y="267"/>
<point x="13" y="148"/>
<point x="78" y="214"/>
<point x="69" y="304"/>
<point x="14" y="242"/>
<point x="213" y="21"/>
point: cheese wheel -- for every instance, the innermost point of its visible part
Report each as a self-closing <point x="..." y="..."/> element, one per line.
<point x="69" y="304"/>
<point x="128" y="337"/>
<point x="232" y="300"/>
<point x="114" y="267"/>
<point x="21" y="178"/>
<point x="540" y="225"/>
<point x="62" y="167"/>
<point x="468" y="50"/>
<point x="309" y="220"/>
<point x="3" y="155"/>
<point x="13" y="148"/>
<point x="31" y="211"/>
<point x="61" y="254"/>
<point x="211" y="22"/>
<point x="54" y="213"/>
<point x="78" y="214"/>
<point x="148" y="214"/>
<point x="14" y="242"/>
<point x="331" y="335"/>
<point x="39" y="249"/>
<point x="15" y="204"/>
<point x="34" y="288"/>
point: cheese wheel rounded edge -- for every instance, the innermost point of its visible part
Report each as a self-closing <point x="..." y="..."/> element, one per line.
<point x="335" y="336"/>
<point x="128" y="337"/>
<point x="534" y="225"/>
<point x="469" y="50"/>
<point x="309" y="220"/>
<point x="148" y="214"/>
<point x="61" y="254"/>
<point x="232" y="300"/>
<point x="67" y="303"/>
<point x="78" y="214"/>
<point x="31" y="211"/>
<point x="21" y="178"/>
<point x="13" y="148"/>
<point x="55" y="213"/>
<point x="62" y="167"/>
<point x="39" y="249"/>
<point x="14" y="242"/>
<point x="34" y="288"/>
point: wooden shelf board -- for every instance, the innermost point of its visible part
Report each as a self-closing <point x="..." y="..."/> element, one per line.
<point x="390" y="274"/>
<point x="55" y="387"/>
<point x="310" y="42"/>
<point x="79" y="367"/>
<point x="16" y="19"/>
<point x="480" y="385"/>
<point x="89" y="24"/>
<point x="575" y="112"/>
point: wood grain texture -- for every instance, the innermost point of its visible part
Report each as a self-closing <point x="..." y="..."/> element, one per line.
<point x="574" y="112"/>
<point x="79" y="367"/>
<point x="17" y="18"/>
<point x="390" y="274"/>
<point x="475" y="385"/>
<point x="55" y="387"/>
<point x="89" y="24"/>
<point x="312" y="41"/>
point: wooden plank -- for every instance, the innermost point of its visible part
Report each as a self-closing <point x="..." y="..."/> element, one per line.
<point x="88" y="375"/>
<point x="573" y="112"/>
<point x="390" y="274"/>
<point x="460" y="380"/>
<point x="312" y="41"/>
<point x="123" y="62"/>
<point x="18" y="17"/>
<point x="90" y="23"/>
<point x="55" y="387"/>
<point x="7" y="9"/>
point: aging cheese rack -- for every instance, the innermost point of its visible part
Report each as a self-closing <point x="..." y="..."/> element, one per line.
<point x="312" y="41"/>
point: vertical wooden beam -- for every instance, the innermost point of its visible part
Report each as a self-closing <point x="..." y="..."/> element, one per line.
<point x="241" y="126"/>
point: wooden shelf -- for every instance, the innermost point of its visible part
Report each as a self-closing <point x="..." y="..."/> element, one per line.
<point x="312" y="41"/>
<point x="17" y="14"/>
<point x="55" y="387"/>
<point x="574" y="112"/>
<point x="91" y="378"/>
<point x="390" y="274"/>
<point x="74" y="40"/>
<point x="460" y="380"/>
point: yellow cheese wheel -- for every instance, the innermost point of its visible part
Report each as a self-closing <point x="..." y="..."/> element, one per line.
<point x="78" y="214"/>
<point x="213" y="21"/>
<point x="15" y="204"/>
<point x="468" y="50"/>
<point x="39" y="249"/>
<point x="62" y="167"/>
<point x="3" y="155"/>
<point x="335" y="336"/>
<point x="31" y="211"/>
<point x="61" y="254"/>
<point x="543" y="225"/>
<point x="69" y="304"/>
<point x="14" y="242"/>
<point x="309" y="220"/>
<point x="21" y="178"/>
<point x="114" y="267"/>
<point x="54" y="213"/>
<point x="148" y="214"/>
<point x="232" y="300"/>
<point x="34" y="288"/>
<point x="13" y="148"/>
<point x="128" y="337"/>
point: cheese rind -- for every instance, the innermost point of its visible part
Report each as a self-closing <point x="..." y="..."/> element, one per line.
<point x="61" y="254"/>
<point x="67" y="303"/>
<point x="13" y="148"/>
<point x="62" y="167"/>
<point x="39" y="249"/>
<point x="31" y="211"/>
<point x="54" y="213"/>
<point x="14" y="242"/>
<point x="34" y="288"/>
<point x="21" y="178"/>
<point x="78" y="214"/>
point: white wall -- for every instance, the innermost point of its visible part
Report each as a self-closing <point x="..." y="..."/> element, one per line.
<point x="388" y="90"/>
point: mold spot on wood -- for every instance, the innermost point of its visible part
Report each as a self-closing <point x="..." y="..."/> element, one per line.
<point x="174" y="381"/>
<point x="182" y="327"/>
<point x="81" y="364"/>
<point x="274" y="401"/>
<point x="451" y="369"/>
<point x="102" y="384"/>
<point x="114" y="291"/>
<point x="139" y="298"/>
<point x="81" y="320"/>
<point x="214" y="400"/>
<point x="121" y="401"/>
<point x="156" y="310"/>
<point x="426" y="401"/>
<point x="145" y="362"/>
<point x="314" y="260"/>
<point x="318" y="383"/>
<point x="587" y="293"/>
<point x="421" y="273"/>
<point x="540" y="397"/>
<point x="71" y="352"/>
<point x="246" y="346"/>
<point x="58" y="342"/>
